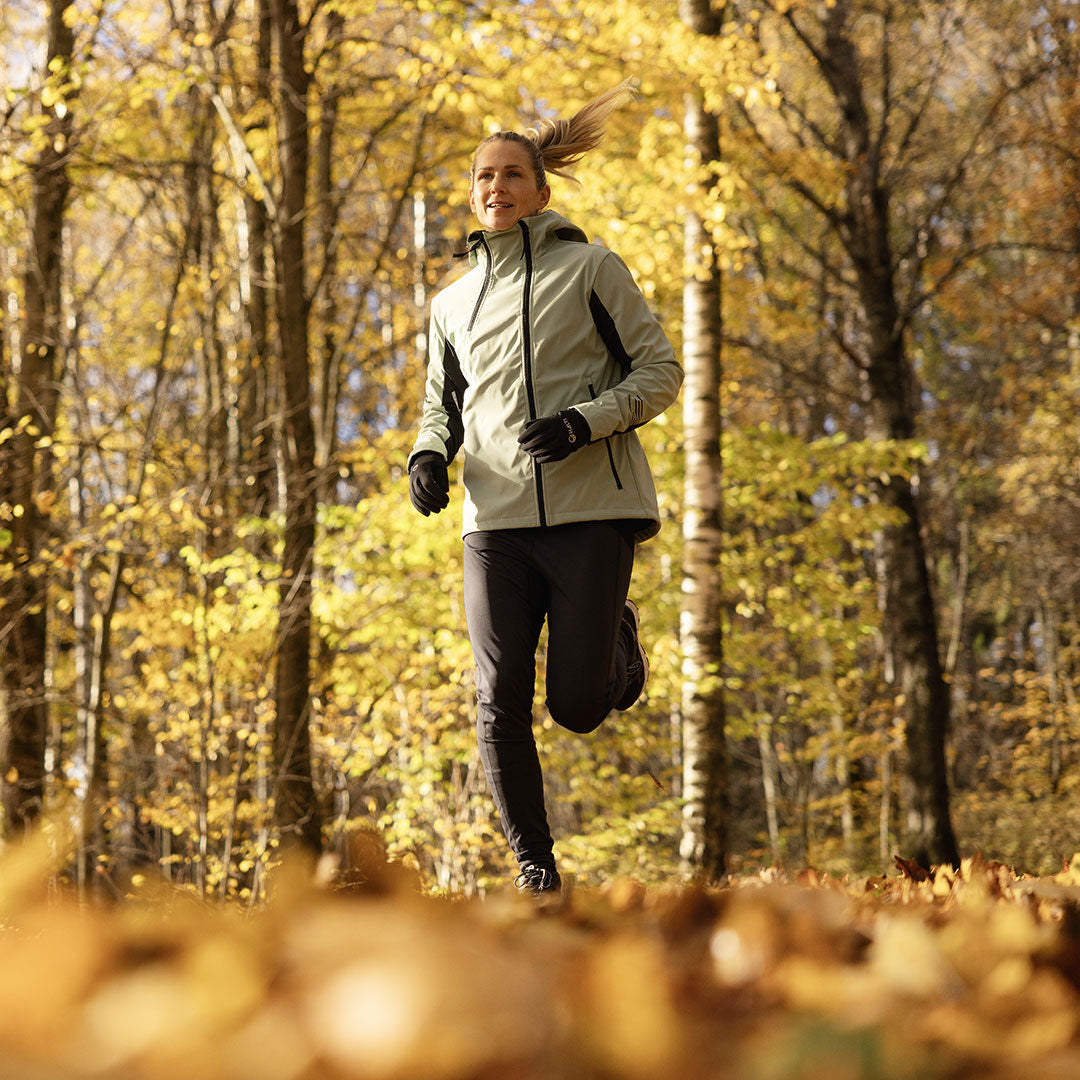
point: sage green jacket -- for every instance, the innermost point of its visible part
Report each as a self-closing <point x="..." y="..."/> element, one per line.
<point x="545" y="321"/>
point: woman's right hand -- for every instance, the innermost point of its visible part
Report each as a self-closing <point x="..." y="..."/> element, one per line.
<point x="429" y="483"/>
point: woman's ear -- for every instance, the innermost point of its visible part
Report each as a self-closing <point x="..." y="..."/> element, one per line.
<point x="545" y="196"/>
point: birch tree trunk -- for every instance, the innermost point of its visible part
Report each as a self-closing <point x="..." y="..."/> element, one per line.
<point x="328" y="358"/>
<point x="29" y="461"/>
<point x="296" y="810"/>
<point x="703" y="846"/>
<point x="253" y="407"/>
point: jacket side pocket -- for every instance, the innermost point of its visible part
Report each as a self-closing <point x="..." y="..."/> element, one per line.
<point x="610" y="453"/>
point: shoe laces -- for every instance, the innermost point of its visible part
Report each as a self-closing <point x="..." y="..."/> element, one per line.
<point x="537" y="879"/>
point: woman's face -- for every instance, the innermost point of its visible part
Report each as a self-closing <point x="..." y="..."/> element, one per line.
<point x="503" y="188"/>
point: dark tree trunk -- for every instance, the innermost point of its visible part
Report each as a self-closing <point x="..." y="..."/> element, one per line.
<point x="910" y="616"/>
<point x="31" y="488"/>
<point x="296" y="809"/>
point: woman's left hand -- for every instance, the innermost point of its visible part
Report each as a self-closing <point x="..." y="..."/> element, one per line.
<point x="552" y="438"/>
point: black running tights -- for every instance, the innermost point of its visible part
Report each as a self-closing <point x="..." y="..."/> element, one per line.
<point x="576" y="576"/>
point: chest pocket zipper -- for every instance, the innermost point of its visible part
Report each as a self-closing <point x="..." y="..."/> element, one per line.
<point x="610" y="454"/>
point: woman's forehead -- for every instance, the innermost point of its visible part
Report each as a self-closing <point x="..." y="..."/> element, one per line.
<point x="501" y="153"/>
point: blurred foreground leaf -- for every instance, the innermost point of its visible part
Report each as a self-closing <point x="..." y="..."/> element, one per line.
<point x="968" y="973"/>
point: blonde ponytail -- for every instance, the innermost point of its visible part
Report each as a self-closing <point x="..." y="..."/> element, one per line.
<point x="556" y="145"/>
<point x="563" y="143"/>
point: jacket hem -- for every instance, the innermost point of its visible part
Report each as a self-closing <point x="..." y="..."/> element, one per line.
<point x="648" y="526"/>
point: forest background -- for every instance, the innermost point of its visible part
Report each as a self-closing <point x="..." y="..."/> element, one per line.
<point x="222" y="626"/>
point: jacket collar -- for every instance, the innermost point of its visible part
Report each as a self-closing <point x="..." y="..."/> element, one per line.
<point x="508" y="245"/>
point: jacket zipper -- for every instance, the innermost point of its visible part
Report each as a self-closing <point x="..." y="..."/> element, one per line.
<point x="610" y="454"/>
<point x="526" y="342"/>
<point x="484" y="286"/>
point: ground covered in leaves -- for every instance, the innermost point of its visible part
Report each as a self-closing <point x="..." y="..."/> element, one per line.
<point x="774" y="977"/>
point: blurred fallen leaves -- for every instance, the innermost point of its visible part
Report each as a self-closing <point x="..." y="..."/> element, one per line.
<point x="961" y="973"/>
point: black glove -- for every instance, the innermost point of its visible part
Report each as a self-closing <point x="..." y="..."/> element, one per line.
<point x="429" y="484"/>
<point x="552" y="438"/>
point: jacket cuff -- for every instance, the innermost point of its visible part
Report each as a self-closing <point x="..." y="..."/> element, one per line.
<point x="593" y="415"/>
<point x="426" y="446"/>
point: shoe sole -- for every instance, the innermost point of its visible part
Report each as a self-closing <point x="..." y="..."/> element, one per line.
<point x="642" y="655"/>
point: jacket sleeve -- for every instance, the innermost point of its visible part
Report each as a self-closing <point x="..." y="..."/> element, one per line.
<point x="441" y="426"/>
<point x="651" y="374"/>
